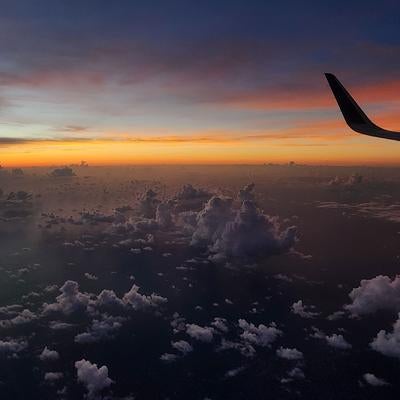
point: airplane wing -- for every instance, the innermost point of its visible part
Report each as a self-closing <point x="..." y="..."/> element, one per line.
<point x="355" y="117"/>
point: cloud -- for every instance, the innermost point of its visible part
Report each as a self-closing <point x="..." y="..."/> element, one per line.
<point x="203" y="334"/>
<point x="69" y="301"/>
<point x="53" y="376"/>
<point x="138" y="301"/>
<point x="104" y="329"/>
<point x="182" y="346"/>
<point x="23" y="317"/>
<point x="190" y="198"/>
<point x="296" y="373"/>
<point x="247" y="193"/>
<point x="388" y="343"/>
<point x="72" y="300"/>
<point x="333" y="340"/>
<point x="338" y="342"/>
<point x="289" y="354"/>
<point x="246" y="232"/>
<point x="108" y="299"/>
<point x="95" y="379"/>
<point x="64" y="172"/>
<point x="379" y="293"/>
<point x="91" y="277"/>
<point x="372" y="380"/>
<point x="252" y="233"/>
<point x="260" y="335"/>
<point x="164" y="215"/>
<point x="211" y="220"/>
<point x="12" y="346"/>
<point x="148" y="204"/>
<point x="302" y="310"/>
<point x="220" y="324"/>
<point x="49" y="355"/>
<point x="168" y="357"/>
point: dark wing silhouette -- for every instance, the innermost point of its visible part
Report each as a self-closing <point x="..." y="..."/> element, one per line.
<point x="355" y="117"/>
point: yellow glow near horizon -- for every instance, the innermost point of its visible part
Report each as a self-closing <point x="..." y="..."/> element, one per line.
<point x="348" y="150"/>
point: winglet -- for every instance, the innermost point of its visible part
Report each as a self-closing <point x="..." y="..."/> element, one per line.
<point x="355" y="117"/>
<point x="352" y="112"/>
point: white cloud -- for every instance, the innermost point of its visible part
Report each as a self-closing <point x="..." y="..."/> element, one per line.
<point x="23" y="317"/>
<point x="91" y="277"/>
<point x="251" y="233"/>
<point x="203" y="334"/>
<point x="103" y="329"/>
<point x="388" y="343"/>
<point x="138" y="301"/>
<point x="148" y="204"/>
<point x="247" y="193"/>
<point x="164" y="215"/>
<point x="289" y="354"/>
<point x="190" y="198"/>
<point x="95" y="379"/>
<point x="168" y="357"/>
<point x="12" y="346"/>
<point x="302" y="310"/>
<point x="260" y="335"/>
<point x="296" y="373"/>
<point x="337" y="341"/>
<point x="53" y="376"/>
<point x="211" y="220"/>
<point x="49" y="355"/>
<point x="183" y="346"/>
<point x="70" y="300"/>
<point x="372" y="380"/>
<point x="220" y="324"/>
<point x="379" y="293"/>
<point x="334" y="340"/>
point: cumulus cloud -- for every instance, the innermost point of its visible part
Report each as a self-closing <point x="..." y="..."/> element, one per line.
<point x="349" y="182"/>
<point x="289" y="354"/>
<point x="338" y="341"/>
<point x="63" y="172"/>
<point x="95" y="379"/>
<point x="220" y="324"/>
<point x="23" y="317"/>
<point x="191" y="198"/>
<point x="148" y="204"/>
<point x="252" y="233"/>
<point x="182" y="346"/>
<point x="53" y="376"/>
<point x="203" y="334"/>
<point x="104" y="329"/>
<point x="164" y="216"/>
<point x="12" y="346"/>
<point x="247" y="193"/>
<point x="260" y="335"/>
<point x="334" y="340"/>
<point x="138" y="301"/>
<point x="244" y="232"/>
<point x="108" y="299"/>
<point x="388" y="343"/>
<point x="70" y="300"/>
<point x="168" y="357"/>
<point x="211" y="220"/>
<point x="302" y="310"/>
<point x="372" y="380"/>
<point x="49" y="355"/>
<point x="379" y="293"/>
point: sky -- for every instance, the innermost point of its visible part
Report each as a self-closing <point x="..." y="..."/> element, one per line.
<point x="155" y="82"/>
